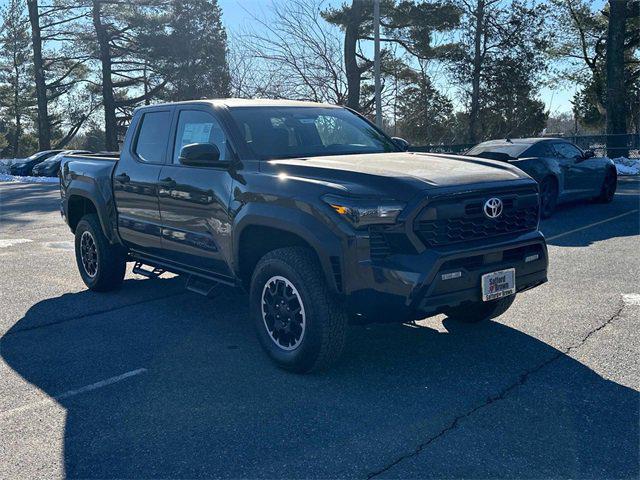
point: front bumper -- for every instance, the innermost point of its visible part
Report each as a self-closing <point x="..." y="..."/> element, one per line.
<point x="403" y="287"/>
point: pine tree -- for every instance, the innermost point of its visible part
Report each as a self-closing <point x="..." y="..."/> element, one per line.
<point x="499" y="66"/>
<point x="425" y="116"/>
<point x="16" y="95"/>
<point x="194" y="53"/>
<point x="120" y="44"/>
<point x="409" y="24"/>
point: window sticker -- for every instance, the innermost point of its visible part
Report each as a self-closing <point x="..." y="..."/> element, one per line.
<point x="196" y="133"/>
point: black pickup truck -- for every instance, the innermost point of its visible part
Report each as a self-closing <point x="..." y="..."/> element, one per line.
<point x="319" y="215"/>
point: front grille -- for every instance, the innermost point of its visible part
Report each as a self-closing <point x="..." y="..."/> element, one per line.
<point x="451" y="221"/>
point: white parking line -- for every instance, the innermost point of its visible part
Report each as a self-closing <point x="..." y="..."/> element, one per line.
<point x="73" y="393"/>
<point x="595" y="224"/>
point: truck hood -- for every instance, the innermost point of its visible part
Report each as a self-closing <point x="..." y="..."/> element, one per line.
<point x="397" y="175"/>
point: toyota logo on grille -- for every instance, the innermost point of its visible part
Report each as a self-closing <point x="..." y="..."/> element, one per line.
<point x="493" y="207"/>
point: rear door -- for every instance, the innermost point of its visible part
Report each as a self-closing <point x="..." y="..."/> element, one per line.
<point x="135" y="180"/>
<point x="575" y="172"/>
<point x="194" y="201"/>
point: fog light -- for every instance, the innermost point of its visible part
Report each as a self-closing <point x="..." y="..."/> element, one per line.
<point x="451" y="276"/>
<point x="531" y="258"/>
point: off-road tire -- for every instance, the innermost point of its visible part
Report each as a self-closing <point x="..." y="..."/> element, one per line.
<point x="480" y="311"/>
<point x="326" y="319"/>
<point x="609" y="187"/>
<point x="110" y="260"/>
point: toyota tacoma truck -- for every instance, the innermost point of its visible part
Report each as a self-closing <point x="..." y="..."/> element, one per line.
<point x="320" y="216"/>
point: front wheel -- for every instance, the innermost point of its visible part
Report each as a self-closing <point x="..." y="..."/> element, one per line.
<point x="480" y="311"/>
<point x="300" y="322"/>
<point x="609" y="187"/>
<point x="548" y="197"/>
<point x="102" y="265"/>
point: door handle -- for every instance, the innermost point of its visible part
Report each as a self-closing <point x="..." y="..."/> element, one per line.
<point x="168" y="183"/>
<point x="122" y="178"/>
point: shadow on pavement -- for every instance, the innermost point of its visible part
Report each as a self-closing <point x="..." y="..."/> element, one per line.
<point x="211" y="405"/>
<point x="576" y="215"/>
<point x="19" y="199"/>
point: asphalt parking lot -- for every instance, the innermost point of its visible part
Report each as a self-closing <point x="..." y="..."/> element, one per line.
<point x="154" y="381"/>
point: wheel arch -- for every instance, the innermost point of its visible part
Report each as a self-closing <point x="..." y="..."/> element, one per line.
<point x="77" y="207"/>
<point x="265" y="229"/>
<point x="553" y="177"/>
<point x="80" y="202"/>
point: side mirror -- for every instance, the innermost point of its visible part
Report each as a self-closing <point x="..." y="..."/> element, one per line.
<point x="200" y="155"/>
<point x="588" y="154"/>
<point x="401" y="143"/>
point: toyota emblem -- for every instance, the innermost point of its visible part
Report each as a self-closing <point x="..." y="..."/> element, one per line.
<point x="493" y="207"/>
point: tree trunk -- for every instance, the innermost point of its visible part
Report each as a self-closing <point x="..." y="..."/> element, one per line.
<point x="17" y="106"/>
<point x="352" y="70"/>
<point x="616" y="91"/>
<point x="44" y="128"/>
<point x="475" y="75"/>
<point x="18" y="120"/>
<point x="108" y="100"/>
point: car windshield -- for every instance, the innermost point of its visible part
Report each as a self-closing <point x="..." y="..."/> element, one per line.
<point x="498" y="150"/>
<point x="292" y="132"/>
<point x="40" y="155"/>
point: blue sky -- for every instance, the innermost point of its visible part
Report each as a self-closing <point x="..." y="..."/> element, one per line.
<point x="235" y="15"/>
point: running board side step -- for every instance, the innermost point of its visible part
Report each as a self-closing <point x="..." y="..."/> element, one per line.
<point x="201" y="285"/>
<point x="138" y="269"/>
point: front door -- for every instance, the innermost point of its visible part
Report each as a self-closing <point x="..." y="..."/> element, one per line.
<point x="135" y="181"/>
<point x="194" y="201"/>
<point x="575" y="172"/>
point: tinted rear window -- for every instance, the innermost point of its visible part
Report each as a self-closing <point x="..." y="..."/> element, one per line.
<point x="488" y="150"/>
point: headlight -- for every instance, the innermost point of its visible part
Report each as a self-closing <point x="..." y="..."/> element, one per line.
<point x="360" y="211"/>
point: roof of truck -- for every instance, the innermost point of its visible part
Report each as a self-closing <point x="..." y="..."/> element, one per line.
<point x="246" y="102"/>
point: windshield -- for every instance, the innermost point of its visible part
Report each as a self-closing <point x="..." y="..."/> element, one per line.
<point x="42" y="155"/>
<point x="494" y="150"/>
<point x="291" y="132"/>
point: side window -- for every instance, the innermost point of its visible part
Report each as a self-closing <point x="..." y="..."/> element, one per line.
<point x="539" y="150"/>
<point x="195" y="126"/>
<point x="566" y="150"/>
<point x="152" y="136"/>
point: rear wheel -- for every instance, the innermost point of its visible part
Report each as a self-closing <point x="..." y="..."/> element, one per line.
<point x="480" y="311"/>
<point x="299" y="321"/>
<point x="102" y="265"/>
<point x="548" y="196"/>
<point x="609" y="187"/>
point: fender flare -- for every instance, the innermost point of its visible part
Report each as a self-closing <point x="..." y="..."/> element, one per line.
<point x="102" y="200"/>
<point x="325" y="242"/>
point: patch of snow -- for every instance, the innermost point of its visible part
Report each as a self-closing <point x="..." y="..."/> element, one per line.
<point x="631" y="298"/>
<point x="5" y="163"/>
<point x="5" y="177"/>
<point x="627" y="166"/>
<point x="10" y="242"/>
<point x="65" y="245"/>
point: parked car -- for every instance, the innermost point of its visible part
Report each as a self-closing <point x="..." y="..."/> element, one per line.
<point x="312" y="209"/>
<point x="563" y="171"/>
<point x="51" y="166"/>
<point x="25" y="166"/>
